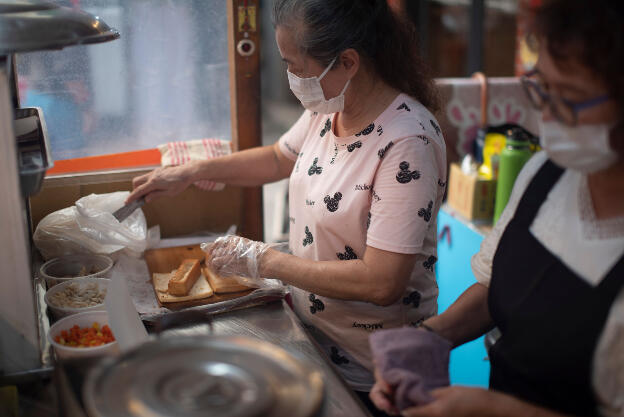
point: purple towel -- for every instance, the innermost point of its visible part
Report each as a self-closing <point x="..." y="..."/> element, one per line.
<point x="414" y="361"/>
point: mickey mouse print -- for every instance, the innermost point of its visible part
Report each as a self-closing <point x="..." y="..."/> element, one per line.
<point x="377" y="188"/>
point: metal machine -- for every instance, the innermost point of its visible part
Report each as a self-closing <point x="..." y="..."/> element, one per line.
<point x="27" y="25"/>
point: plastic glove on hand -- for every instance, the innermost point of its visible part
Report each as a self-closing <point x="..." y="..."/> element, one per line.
<point x="235" y="255"/>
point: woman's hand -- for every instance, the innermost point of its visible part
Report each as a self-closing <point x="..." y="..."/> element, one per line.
<point x="235" y="255"/>
<point x="455" y="401"/>
<point x="458" y="401"/>
<point x="382" y="395"/>
<point x="164" y="181"/>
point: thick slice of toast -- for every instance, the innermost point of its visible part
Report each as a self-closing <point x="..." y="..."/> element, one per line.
<point x="200" y="290"/>
<point x="185" y="277"/>
<point x="222" y="285"/>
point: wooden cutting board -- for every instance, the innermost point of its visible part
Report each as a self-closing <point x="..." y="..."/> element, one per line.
<point x="165" y="260"/>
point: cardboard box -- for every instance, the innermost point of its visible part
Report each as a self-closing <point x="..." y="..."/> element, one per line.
<point x="471" y="196"/>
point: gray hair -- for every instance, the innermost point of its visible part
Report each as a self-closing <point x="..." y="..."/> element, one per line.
<point x="325" y="28"/>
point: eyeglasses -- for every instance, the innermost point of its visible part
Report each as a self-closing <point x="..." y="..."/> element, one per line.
<point x="564" y="110"/>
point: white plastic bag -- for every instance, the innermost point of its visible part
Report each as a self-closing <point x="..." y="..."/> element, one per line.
<point x="89" y="227"/>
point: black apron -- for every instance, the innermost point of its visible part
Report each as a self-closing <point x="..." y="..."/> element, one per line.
<point x="549" y="317"/>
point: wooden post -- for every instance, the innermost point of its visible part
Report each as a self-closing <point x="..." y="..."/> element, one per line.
<point x="244" y="59"/>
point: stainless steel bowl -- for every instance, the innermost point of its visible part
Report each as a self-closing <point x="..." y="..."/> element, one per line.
<point x="198" y="376"/>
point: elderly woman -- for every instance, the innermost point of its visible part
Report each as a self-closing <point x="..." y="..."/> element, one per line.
<point x="551" y="274"/>
<point x="367" y="169"/>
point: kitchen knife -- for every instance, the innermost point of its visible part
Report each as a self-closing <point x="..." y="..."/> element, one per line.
<point x="123" y="213"/>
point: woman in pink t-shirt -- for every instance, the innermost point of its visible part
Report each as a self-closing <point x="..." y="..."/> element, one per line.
<point x="367" y="168"/>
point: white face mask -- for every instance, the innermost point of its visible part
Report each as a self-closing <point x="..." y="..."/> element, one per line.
<point x="583" y="148"/>
<point x="310" y="93"/>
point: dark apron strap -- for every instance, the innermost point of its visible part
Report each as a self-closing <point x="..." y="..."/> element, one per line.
<point x="536" y="192"/>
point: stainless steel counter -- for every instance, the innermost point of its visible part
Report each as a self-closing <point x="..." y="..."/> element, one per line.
<point x="273" y="322"/>
<point x="276" y="323"/>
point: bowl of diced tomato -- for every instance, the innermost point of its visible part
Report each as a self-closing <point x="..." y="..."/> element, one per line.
<point x="83" y="334"/>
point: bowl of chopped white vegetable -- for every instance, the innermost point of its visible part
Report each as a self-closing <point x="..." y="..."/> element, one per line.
<point x="76" y="296"/>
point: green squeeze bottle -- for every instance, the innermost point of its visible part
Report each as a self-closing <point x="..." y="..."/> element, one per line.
<point x="516" y="153"/>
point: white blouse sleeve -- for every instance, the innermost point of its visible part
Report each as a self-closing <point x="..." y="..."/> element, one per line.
<point x="481" y="262"/>
<point x="608" y="369"/>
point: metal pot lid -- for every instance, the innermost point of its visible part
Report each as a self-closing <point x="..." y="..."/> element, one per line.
<point x="33" y="25"/>
<point x="199" y="376"/>
<point x="15" y="6"/>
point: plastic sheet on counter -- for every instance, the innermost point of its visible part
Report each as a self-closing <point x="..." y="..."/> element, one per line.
<point x="139" y="284"/>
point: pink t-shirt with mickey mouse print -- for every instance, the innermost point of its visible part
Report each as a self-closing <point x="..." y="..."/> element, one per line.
<point x="382" y="188"/>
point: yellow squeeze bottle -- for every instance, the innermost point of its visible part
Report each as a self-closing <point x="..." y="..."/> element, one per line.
<point x="492" y="148"/>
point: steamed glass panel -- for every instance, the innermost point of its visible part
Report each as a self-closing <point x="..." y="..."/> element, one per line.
<point x="165" y="79"/>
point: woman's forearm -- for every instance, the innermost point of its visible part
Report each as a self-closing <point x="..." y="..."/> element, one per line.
<point x="380" y="277"/>
<point x="505" y="405"/>
<point x="335" y="279"/>
<point x="457" y="400"/>
<point x="250" y="167"/>
<point x="466" y="319"/>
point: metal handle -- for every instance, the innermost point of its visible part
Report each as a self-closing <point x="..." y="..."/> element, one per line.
<point x="203" y="314"/>
<point x="124" y="212"/>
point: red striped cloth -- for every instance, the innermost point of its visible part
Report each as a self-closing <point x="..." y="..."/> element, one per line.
<point x="179" y="153"/>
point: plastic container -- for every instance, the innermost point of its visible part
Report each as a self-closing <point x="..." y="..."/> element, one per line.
<point x="59" y="311"/>
<point x="83" y="320"/>
<point x="65" y="268"/>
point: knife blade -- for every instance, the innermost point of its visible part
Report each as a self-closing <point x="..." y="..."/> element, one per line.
<point x="123" y="213"/>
